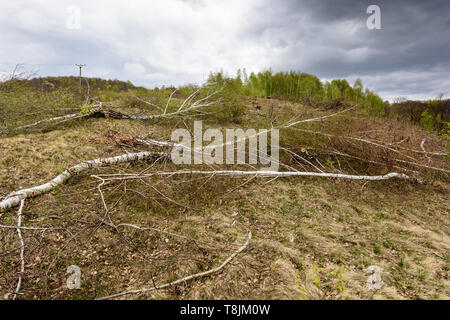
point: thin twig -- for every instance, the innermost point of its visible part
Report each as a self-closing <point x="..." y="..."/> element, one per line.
<point x="193" y="276"/>
<point x="22" y="248"/>
<point x="424" y="151"/>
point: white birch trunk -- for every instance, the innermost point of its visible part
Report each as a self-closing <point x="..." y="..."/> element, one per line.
<point x="16" y="197"/>
<point x="264" y="173"/>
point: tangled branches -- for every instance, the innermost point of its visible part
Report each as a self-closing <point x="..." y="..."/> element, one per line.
<point x="124" y="212"/>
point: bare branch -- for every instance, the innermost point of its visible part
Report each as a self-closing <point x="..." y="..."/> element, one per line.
<point x="22" y="248"/>
<point x="264" y="173"/>
<point x="193" y="276"/>
<point x="424" y="151"/>
<point x="168" y="101"/>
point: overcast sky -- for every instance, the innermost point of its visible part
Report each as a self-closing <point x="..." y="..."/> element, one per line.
<point x="177" y="42"/>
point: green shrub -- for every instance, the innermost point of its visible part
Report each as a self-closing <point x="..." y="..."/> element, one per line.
<point x="430" y="115"/>
<point x="426" y="120"/>
<point x="230" y="106"/>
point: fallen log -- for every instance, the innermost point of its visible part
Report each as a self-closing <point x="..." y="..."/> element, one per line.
<point x="265" y="173"/>
<point x="15" y="198"/>
<point x="99" y="112"/>
<point x="96" y="111"/>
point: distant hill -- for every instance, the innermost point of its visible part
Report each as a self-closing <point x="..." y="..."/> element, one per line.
<point x="72" y="82"/>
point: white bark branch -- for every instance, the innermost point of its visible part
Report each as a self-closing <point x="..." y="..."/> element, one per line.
<point x="381" y="146"/>
<point x="149" y="103"/>
<point x="193" y="276"/>
<point x="188" y="99"/>
<point x="61" y="119"/>
<point x="168" y="101"/>
<point x="424" y="151"/>
<point x="22" y="249"/>
<point x="269" y="174"/>
<point x="14" y="198"/>
<point x="168" y="115"/>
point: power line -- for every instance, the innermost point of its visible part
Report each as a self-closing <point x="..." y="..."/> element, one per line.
<point x="36" y="64"/>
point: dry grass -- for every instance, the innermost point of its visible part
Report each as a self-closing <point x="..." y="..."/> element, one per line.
<point x="303" y="228"/>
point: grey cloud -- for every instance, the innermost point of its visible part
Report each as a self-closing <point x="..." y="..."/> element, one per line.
<point x="330" y="39"/>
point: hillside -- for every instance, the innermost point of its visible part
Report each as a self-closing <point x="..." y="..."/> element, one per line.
<point x="312" y="237"/>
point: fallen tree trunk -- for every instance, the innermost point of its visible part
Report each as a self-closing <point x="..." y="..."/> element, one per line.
<point x="96" y="111"/>
<point x="272" y="174"/>
<point x="16" y="197"/>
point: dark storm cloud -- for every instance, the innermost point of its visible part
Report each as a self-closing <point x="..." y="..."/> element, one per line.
<point x="331" y="39"/>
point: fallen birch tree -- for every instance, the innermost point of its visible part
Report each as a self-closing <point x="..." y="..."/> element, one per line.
<point x="187" y="105"/>
<point x="264" y="173"/>
<point x="97" y="110"/>
<point x="15" y="198"/>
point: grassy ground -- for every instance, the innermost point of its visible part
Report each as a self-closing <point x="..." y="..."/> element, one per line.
<point x="313" y="238"/>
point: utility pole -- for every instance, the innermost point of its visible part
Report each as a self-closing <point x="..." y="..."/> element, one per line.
<point x="81" y="67"/>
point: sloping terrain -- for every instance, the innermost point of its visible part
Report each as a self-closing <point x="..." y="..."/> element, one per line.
<point x="312" y="238"/>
